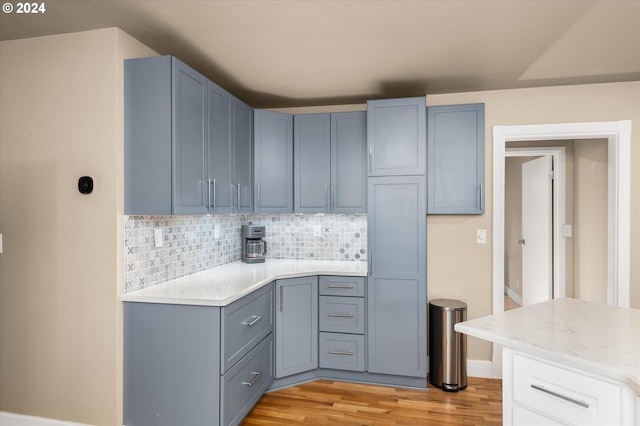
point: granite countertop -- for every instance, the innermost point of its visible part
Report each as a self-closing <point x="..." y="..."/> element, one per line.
<point x="594" y="337"/>
<point x="223" y="285"/>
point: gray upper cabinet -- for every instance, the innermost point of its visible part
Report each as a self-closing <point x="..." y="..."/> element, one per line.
<point x="349" y="162"/>
<point x="330" y="163"/>
<point x="190" y="147"/>
<point x="242" y="157"/>
<point x="312" y="163"/>
<point x="273" y="162"/>
<point x="397" y="290"/>
<point x="219" y="198"/>
<point x="296" y="325"/>
<point x="455" y="146"/>
<point x="396" y="137"/>
<point x="183" y="135"/>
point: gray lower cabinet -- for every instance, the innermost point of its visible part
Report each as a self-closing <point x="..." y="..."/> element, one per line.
<point x="171" y="365"/>
<point x="330" y="163"/>
<point x="342" y="323"/>
<point x="296" y="325"/>
<point x="273" y="162"/>
<point x="187" y="142"/>
<point x="397" y="291"/>
<point x="197" y="365"/>
<point x="455" y="147"/>
<point x="396" y="136"/>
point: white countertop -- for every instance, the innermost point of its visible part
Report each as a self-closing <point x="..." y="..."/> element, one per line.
<point x="222" y="285"/>
<point x="598" y="338"/>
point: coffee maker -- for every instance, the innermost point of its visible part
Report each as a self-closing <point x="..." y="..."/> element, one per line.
<point x="254" y="248"/>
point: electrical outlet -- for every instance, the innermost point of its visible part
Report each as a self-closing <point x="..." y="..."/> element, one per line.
<point x="481" y="236"/>
<point x="216" y="232"/>
<point x="317" y="230"/>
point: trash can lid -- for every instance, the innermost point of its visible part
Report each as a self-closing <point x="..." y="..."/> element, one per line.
<point x="449" y="304"/>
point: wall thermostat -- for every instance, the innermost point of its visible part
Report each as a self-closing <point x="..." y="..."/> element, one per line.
<point x="85" y="184"/>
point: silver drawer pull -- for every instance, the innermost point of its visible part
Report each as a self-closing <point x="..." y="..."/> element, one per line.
<point x="334" y="352"/>
<point x="256" y="376"/>
<point x="341" y="286"/>
<point x="557" y="395"/>
<point x="339" y="315"/>
<point x="252" y="320"/>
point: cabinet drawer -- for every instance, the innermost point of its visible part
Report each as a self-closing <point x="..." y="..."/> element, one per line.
<point x="341" y="286"/>
<point x="244" y="323"/>
<point x="341" y="314"/>
<point x="565" y="395"/>
<point x="244" y="384"/>
<point x="342" y="351"/>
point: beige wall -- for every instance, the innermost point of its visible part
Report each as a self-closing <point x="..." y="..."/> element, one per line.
<point x="61" y="115"/>
<point x="459" y="268"/>
<point x="590" y="220"/>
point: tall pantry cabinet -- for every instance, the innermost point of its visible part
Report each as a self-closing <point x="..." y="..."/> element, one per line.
<point x="397" y="288"/>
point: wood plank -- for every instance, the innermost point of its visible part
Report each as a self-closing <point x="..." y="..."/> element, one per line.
<point x="327" y="402"/>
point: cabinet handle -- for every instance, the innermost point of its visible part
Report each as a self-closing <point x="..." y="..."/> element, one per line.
<point x="256" y="376"/>
<point x="281" y="299"/>
<point x="370" y="157"/>
<point x="208" y="193"/>
<point x="252" y="320"/>
<point x="238" y="203"/>
<point x="214" y="194"/>
<point x="557" y="395"/>
<point x="340" y="286"/>
<point x="339" y="315"/>
<point x="258" y="196"/>
<point x="370" y="263"/>
<point x="326" y="196"/>
<point x="334" y="352"/>
<point x="480" y="200"/>
<point x="333" y="197"/>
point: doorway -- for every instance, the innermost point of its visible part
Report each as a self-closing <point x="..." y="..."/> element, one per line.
<point x="526" y="251"/>
<point x="618" y="136"/>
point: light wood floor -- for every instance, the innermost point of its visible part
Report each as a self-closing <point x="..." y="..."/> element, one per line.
<point x="325" y="402"/>
<point x="509" y="303"/>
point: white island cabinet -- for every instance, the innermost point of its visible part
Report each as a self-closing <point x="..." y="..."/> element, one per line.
<point x="566" y="362"/>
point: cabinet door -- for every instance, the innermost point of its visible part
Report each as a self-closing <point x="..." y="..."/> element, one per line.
<point x="397" y="292"/>
<point x="190" y="140"/>
<point x="296" y="325"/>
<point x="312" y="162"/>
<point x="242" y="157"/>
<point x="397" y="137"/>
<point x="273" y="165"/>
<point x="456" y="159"/>
<point x="219" y="158"/>
<point x="349" y="162"/>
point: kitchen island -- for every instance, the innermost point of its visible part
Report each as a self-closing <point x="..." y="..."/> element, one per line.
<point x="566" y="361"/>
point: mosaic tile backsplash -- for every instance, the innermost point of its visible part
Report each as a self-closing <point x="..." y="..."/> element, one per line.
<point x="190" y="244"/>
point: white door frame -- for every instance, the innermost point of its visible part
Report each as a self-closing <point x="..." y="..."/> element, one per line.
<point x="618" y="135"/>
<point x="559" y="209"/>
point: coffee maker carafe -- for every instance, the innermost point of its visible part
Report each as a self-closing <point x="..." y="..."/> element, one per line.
<point x="254" y="248"/>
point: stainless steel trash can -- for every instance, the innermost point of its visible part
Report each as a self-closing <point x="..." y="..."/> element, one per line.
<point x="447" y="347"/>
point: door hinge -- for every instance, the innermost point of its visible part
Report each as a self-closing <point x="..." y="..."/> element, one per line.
<point x="552" y="175"/>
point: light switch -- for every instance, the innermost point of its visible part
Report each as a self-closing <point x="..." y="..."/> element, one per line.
<point x="481" y="236"/>
<point x="317" y="229"/>
<point x="567" y="231"/>
<point x="158" y="237"/>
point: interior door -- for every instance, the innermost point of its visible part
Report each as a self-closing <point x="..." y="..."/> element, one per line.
<point x="537" y="231"/>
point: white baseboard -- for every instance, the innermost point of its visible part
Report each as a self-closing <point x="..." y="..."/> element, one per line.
<point x="11" y="419"/>
<point x="512" y="294"/>
<point x="483" y="369"/>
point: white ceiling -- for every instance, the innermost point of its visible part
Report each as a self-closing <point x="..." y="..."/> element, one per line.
<point x="297" y="53"/>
